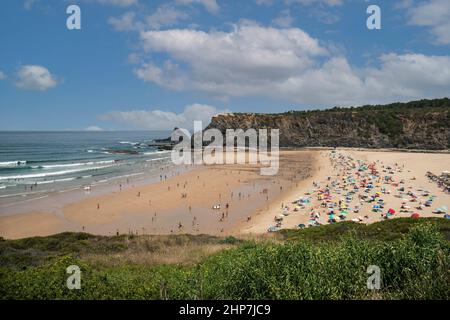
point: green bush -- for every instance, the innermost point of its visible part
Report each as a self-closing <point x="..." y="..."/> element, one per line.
<point x="414" y="266"/>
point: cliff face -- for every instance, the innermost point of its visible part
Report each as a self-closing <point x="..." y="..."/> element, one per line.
<point x="417" y="125"/>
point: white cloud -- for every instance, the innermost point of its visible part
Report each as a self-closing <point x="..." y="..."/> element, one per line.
<point x="286" y="64"/>
<point x="169" y="76"/>
<point x="35" y="77"/>
<point x="264" y="2"/>
<point x="2" y="75"/>
<point x="398" y="78"/>
<point x="28" y="4"/>
<point x="434" y="14"/>
<point x="93" y="128"/>
<point x="119" y="3"/>
<point x="210" y="5"/>
<point x="163" y="120"/>
<point x="237" y="63"/>
<point x="284" y="19"/>
<point x="165" y="16"/>
<point x="125" y="22"/>
<point x="313" y="2"/>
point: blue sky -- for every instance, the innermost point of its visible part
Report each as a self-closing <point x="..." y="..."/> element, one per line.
<point x="139" y="64"/>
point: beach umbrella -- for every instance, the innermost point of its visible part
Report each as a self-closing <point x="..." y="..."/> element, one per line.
<point x="391" y="211"/>
<point x="415" y="215"/>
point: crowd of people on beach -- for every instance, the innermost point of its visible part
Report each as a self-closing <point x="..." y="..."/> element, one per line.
<point x="357" y="191"/>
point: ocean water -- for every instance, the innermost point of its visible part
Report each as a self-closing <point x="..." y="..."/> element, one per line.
<point x="34" y="163"/>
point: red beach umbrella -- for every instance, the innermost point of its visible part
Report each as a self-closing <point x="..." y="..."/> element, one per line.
<point x="415" y="215"/>
<point x="391" y="211"/>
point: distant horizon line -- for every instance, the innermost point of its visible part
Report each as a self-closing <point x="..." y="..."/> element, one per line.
<point x="90" y="131"/>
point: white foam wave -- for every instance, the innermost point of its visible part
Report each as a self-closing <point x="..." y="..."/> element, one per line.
<point x="12" y="163"/>
<point x="56" y="180"/>
<point x="69" y="165"/>
<point x="156" y="152"/>
<point x="157" y="159"/>
<point x="55" y="173"/>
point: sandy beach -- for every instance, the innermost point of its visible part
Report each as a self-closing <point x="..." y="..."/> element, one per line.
<point x="236" y="199"/>
<point x="181" y="204"/>
<point x="405" y="194"/>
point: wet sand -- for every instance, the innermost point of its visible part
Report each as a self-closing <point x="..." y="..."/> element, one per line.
<point x="181" y="204"/>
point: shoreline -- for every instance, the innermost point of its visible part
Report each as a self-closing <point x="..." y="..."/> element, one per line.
<point x="161" y="208"/>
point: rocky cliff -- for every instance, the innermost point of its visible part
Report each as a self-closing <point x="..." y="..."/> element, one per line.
<point x="423" y="124"/>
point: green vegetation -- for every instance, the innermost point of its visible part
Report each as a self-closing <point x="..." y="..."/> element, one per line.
<point x="426" y="105"/>
<point x="388" y="119"/>
<point x="387" y="230"/>
<point x="327" y="262"/>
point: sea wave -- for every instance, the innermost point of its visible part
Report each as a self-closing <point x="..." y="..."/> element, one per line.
<point x="56" y="180"/>
<point x="49" y="174"/>
<point x="157" y="159"/>
<point x="69" y="165"/>
<point x="156" y="152"/>
<point x="8" y="164"/>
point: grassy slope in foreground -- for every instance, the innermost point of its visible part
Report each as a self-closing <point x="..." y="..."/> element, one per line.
<point x="327" y="262"/>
